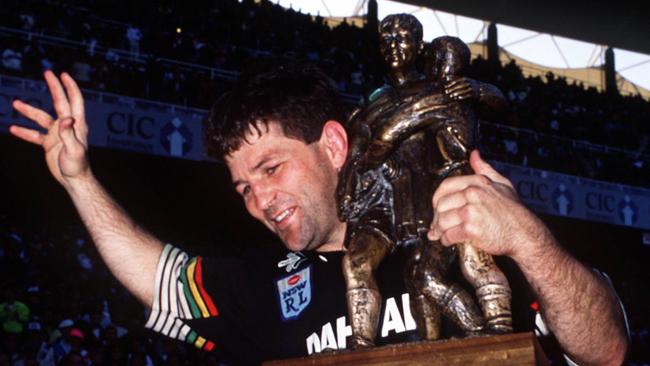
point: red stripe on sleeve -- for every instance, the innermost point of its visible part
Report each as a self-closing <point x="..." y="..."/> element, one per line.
<point x="209" y="346"/>
<point x="198" y="278"/>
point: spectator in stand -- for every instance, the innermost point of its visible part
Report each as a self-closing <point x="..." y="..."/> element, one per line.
<point x="33" y="54"/>
<point x="36" y="344"/>
<point x="83" y="71"/>
<point x="230" y="33"/>
<point x="12" y="59"/>
<point x="14" y="314"/>
<point x="133" y="36"/>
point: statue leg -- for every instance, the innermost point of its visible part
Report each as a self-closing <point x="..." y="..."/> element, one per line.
<point x="403" y="203"/>
<point x="432" y="294"/>
<point x="366" y="249"/>
<point x="492" y="288"/>
<point x="425" y="312"/>
<point x="478" y="267"/>
<point x="426" y="315"/>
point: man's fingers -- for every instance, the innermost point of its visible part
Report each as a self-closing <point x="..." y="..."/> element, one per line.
<point x="66" y="134"/>
<point x="480" y="166"/>
<point x="27" y="134"/>
<point x="457" y="184"/>
<point x="451" y="223"/>
<point x="449" y="219"/>
<point x="433" y="234"/>
<point x="37" y="115"/>
<point x="59" y="99"/>
<point x="75" y="97"/>
<point x="450" y="202"/>
<point x="77" y="107"/>
<point x="454" y="235"/>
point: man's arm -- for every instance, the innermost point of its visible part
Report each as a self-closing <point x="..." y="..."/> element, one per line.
<point x="579" y="308"/>
<point x="129" y="251"/>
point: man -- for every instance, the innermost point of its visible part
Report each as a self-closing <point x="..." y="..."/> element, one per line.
<point x="283" y="145"/>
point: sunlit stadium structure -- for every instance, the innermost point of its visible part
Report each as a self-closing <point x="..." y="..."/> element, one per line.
<point x="569" y="40"/>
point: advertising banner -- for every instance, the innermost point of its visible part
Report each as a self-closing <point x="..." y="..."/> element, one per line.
<point x="117" y="122"/>
<point x="580" y="198"/>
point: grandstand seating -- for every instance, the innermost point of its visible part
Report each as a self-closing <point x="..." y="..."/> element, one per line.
<point x="189" y="57"/>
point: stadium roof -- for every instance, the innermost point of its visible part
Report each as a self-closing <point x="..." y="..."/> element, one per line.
<point x="623" y="24"/>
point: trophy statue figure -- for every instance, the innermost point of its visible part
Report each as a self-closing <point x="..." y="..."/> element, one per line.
<point x="409" y="136"/>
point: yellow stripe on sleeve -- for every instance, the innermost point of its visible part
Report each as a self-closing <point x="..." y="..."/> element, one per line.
<point x="195" y="290"/>
<point x="200" y="341"/>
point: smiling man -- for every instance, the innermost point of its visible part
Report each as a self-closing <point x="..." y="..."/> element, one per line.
<point x="281" y="137"/>
<point x="287" y="185"/>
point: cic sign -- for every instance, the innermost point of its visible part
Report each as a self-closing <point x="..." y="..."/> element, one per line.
<point x="174" y="133"/>
<point x="580" y="198"/>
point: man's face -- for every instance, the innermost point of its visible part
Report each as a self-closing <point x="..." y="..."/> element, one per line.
<point x="289" y="186"/>
<point x="397" y="46"/>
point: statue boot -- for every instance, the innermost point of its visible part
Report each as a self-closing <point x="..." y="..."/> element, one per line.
<point x="492" y="289"/>
<point x="427" y="317"/>
<point x="459" y="306"/>
<point x="495" y="301"/>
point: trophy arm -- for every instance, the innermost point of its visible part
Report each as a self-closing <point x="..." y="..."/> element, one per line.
<point x="491" y="97"/>
<point x="462" y="88"/>
<point x="359" y="139"/>
<point x="401" y="125"/>
<point x="345" y="191"/>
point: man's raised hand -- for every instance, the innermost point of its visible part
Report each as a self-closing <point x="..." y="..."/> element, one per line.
<point x="129" y="251"/>
<point x="66" y="138"/>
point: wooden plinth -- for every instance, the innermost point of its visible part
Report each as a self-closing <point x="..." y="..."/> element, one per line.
<point x="509" y="349"/>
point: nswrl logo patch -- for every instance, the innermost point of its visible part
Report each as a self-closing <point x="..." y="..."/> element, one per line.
<point x="294" y="293"/>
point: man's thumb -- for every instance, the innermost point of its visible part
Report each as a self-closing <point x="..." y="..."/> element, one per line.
<point x="480" y="166"/>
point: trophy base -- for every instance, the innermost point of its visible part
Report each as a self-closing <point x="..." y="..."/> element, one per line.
<point x="507" y="349"/>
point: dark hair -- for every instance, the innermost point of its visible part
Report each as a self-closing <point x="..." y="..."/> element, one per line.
<point x="300" y="98"/>
<point x="407" y="20"/>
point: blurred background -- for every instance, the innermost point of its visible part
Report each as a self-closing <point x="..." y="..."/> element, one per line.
<point x="576" y="141"/>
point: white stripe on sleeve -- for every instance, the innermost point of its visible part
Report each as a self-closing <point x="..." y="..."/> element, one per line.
<point x="167" y="309"/>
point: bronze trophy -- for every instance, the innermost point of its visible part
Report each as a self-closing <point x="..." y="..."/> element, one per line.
<point x="409" y="136"/>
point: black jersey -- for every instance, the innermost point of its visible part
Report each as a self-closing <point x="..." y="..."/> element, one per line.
<point x="281" y="304"/>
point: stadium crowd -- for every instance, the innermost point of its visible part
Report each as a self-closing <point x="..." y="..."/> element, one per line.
<point x="59" y="305"/>
<point x="189" y="56"/>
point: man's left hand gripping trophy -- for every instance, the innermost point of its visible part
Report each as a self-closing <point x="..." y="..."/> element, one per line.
<point x="404" y="141"/>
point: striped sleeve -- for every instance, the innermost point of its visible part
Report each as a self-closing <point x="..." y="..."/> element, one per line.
<point x="180" y="295"/>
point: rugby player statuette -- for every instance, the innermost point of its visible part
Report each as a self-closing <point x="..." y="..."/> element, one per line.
<point x="408" y="137"/>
